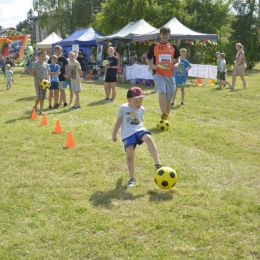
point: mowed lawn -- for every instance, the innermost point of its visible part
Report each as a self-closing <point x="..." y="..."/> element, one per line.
<point x="58" y="203"/>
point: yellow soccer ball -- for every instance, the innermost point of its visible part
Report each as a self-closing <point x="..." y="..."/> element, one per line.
<point x="163" y="125"/>
<point x="165" y="178"/>
<point x="45" y="84"/>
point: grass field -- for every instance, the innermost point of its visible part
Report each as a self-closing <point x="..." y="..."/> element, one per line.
<point x="58" y="203"/>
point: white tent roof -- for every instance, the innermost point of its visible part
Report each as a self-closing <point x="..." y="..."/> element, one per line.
<point x="47" y="42"/>
<point x="127" y="32"/>
<point x="178" y="31"/>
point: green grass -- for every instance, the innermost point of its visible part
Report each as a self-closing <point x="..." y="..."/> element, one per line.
<point x="59" y="203"/>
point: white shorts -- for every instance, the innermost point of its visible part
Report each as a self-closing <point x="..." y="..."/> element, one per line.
<point x="76" y="87"/>
<point x="9" y="81"/>
<point x="165" y="85"/>
<point x="62" y="85"/>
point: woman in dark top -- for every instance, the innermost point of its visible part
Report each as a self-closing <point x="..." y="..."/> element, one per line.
<point x="111" y="65"/>
<point x="80" y="59"/>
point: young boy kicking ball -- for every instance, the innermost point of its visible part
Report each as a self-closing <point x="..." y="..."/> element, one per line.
<point x="130" y="119"/>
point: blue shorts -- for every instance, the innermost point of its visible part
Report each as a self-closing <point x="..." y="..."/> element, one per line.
<point x="135" y="139"/>
<point x="54" y="85"/>
<point x="180" y="84"/>
<point x="67" y="82"/>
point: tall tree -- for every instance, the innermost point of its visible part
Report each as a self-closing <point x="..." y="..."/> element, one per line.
<point x="66" y="16"/>
<point x="246" y="29"/>
<point x="28" y="24"/>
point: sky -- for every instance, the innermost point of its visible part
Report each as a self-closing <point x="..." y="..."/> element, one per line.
<point x="14" y="11"/>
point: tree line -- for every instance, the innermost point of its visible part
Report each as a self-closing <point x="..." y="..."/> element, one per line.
<point x="233" y="20"/>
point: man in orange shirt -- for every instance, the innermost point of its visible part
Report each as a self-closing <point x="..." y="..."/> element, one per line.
<point x="161" y="58"/>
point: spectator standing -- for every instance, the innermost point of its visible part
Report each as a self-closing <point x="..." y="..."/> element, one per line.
<point x="240" y="66"/>
<point x="63" y="63"/>
<point x="181" y="75"/>
<point x="9" y="76"/>
<point x="111" y="73"/>
<point x="80" y="59"/>
<point x="40" y="71"/>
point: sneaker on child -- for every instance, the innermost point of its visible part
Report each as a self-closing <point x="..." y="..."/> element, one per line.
<point x="131" y="182"/>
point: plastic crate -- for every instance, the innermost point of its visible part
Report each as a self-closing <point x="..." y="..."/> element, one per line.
<point x="149" y="82"/>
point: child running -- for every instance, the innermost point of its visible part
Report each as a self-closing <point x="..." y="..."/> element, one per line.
<point x="130" y="119"/>
<point x="9" y="76"/>
<point x="223" y="71"/>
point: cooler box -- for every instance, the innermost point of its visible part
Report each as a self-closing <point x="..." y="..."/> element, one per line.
<point x="139" y="81"/>
<point x="149" y="82"/>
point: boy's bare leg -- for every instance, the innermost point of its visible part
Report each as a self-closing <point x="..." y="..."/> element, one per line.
<point x="130" y="154"/>
<point x="151" y="148"/>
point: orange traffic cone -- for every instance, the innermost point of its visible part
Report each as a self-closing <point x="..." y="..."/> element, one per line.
<point x="34" y="115"/>
<point x="44" y="120"/>
<point x="70" y="141"/>
<point x="58" y="128"/>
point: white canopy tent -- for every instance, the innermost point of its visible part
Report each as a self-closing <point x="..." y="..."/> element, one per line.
<point x="178" y="31"/>
<point x="128" y="32"/>
<point x="47" y="42"/>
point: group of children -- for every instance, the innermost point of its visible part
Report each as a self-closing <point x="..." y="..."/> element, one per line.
<point x="56" y="70"/>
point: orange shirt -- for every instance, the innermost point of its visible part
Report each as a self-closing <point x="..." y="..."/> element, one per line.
<point x="164" y="54"/>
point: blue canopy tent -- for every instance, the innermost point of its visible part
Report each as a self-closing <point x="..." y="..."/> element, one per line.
<point x="85" y="38"/>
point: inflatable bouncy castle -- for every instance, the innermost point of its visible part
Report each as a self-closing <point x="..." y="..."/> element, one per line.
<point x="16" y="47"/>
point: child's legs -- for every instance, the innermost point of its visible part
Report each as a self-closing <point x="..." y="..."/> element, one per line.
<point x="71" y="96"/>
<point x="41" y="103"/>
<point x="106" y="88"/>
<point x="113" y="86"/>
<point x="182" y="94"/>
<point x="151" y="147"/>
<point x="77" y="103"/>
<point x="174" y="95"/>
<point x="50" y="96"/>
<point x="62" y="96"/>
<point x="37" y="100"/>
<point x="130" y="154"/>
<point x="56" y="96"/>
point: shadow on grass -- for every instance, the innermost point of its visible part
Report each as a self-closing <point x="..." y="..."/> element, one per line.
<point x="155" y="196"/>
<point x="26" y="117"/>
<point x="104" y="198"/>
<point x="99" y="102"/>
<point x="25" y="99"/>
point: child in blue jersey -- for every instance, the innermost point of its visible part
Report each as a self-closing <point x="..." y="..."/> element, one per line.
<point x="9" y="76"/>
<point x="54" y="73"/>
<point x="181" y="75"/>
<point x="133" y="132"/>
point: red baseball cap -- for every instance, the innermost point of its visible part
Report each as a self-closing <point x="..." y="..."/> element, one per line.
<point x="135" y="92"/>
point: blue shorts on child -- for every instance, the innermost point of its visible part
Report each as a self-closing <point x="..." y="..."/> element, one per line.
<point x="135" y="139"/>
<point x="54" y="85"/>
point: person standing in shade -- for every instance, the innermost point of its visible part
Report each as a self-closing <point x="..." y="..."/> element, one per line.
<point x="80" y="59"/>
<point x="163" y="54"/>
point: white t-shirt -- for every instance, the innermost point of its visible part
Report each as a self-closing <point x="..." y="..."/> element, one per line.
<point x="132" y="120"/>
<point x="74" y="72"/>
<point x="222" y="65"/>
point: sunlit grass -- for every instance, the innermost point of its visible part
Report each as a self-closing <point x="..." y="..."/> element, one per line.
<point x="59" y="203"/>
